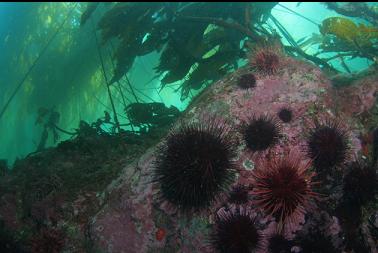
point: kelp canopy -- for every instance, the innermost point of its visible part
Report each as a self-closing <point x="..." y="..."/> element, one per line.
<point x="198" y="42"/>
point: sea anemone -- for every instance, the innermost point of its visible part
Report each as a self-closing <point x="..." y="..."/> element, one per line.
<point x="266" y="60"/>
<point x="261" y="132"/>
<point x="195" y="164"/>
<point x="285" y="114"/>
<point x="247" y="81"/>
<point x="277" y="243"/>
<point x="360" y="184"/>
<point x="236" y="231"/>
<point x="282" y="187"/>
<point x="328" y="146"/>
<point x="238" y="195"/>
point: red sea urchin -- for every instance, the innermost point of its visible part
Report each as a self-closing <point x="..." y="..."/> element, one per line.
<point x="283" y="187"/>
<point x="261" y="132"/>
<point x="266" y="60"/>
<point x="236" y="231"/>
<point x="195" y="164"/>
<point x="327" y="145"/>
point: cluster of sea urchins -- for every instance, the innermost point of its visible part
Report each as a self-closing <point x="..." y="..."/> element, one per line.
<point x="195" y="164"/>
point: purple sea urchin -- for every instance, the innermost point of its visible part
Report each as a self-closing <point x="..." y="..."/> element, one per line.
<point x="360" y="184"/>
<point x="261" y="133"/>
<point x="277" y="243"/>
<point x="327" y="145"/>
<point x="235" y="231"/>
<point x="195" y="164"/>
<point x="247" y="81"/>
<point x="238" y="195"/>
<point x="316" y="242"/>
<point x="48" y="240"/>
<point x="285" y="114"/>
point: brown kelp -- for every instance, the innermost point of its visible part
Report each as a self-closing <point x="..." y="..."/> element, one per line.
<point x="197" y="41"/>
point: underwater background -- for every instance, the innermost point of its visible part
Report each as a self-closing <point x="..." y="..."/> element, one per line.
<point x="103" y="104"/>
<point x="68" y="76"/>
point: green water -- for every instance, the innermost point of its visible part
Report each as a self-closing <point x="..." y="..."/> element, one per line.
<point x="68" y="77"/>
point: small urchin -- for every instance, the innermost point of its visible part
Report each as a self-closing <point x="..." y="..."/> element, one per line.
<point x="261" y="132"/>
<point x="285" y="114"/>
<point x="236" y="230"/>
<point x="328" y="145"/>
<point x="247" y="81"/>
<point x="360" y="184"/>
<point x="316" y="242"/>
<point x="238" y="195"/>
<point x="277" y="243"/>
<point x="195" y="164"/>
<point x="266" y="60"/>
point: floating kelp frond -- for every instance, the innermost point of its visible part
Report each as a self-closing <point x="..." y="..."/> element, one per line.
<point x="348" y="31"/>
<point x="181" y="31"/>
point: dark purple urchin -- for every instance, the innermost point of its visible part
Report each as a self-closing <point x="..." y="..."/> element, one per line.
<point x="316" y="242"/>
<point x="360" y="184"/>
<point x="285" y="114"/>
<point x="236" y="231"/>
<point x="48" y="240"/>
<point x="261" y="133"/>
<point x="238" y="195"/>
<point x="195" y="164"/>
<point x="247" y="81"/>
<point x="279" y="244"/>
<point x="328" y="146"/>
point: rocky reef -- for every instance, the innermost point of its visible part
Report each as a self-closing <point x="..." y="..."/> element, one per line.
<point x="123" y="210"/>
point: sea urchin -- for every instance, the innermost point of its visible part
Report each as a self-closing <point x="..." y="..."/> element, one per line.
<point x="236" y="231"/>
<point x="360" y="184"/>
<point x="261" y="133"/>
<point x="195" y="164"/>
<point x="277" y="243"/>
<point x="283" y="187"/>
<point x="285" y="114"/>
<point x="247" y="81"/>
<point x="265" y="60"/>
<point x="328" y="145"/>
<point x="238" y="195"/>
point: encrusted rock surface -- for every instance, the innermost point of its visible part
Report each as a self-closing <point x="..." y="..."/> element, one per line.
<point x="128" y="215"/>
<point x="133" y="216"/>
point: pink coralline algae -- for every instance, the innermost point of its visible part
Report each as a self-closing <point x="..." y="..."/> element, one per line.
<point x="358" y="98"/>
